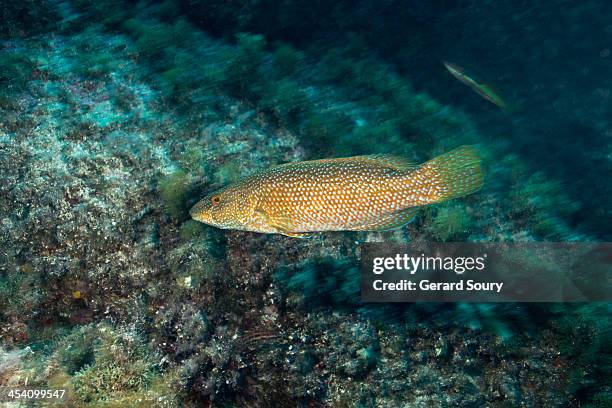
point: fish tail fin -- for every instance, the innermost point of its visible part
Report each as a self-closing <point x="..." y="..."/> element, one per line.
<point x="453" y="174"/>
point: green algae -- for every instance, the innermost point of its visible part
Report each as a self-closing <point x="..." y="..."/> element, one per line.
<point x="191" y="230"/>
<point x="174" y="191"/>
<point x="287" y="60"/>
<point x="541" y="203"/>
<point x="286" y="100"/>
<point x="21" y="296"/>
<point x="243" y="76"/>
<point x="450" y="222"/>
<point x="16" y="69"/>
<point x="319" y="128"/>
<point x="228" y="172"/>
<point x="102" y="366"/>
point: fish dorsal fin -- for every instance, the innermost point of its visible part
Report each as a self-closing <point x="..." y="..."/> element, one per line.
<point x="397" y="163"/>
<point x="393" y="221"/>
<point x="389" y="160"/>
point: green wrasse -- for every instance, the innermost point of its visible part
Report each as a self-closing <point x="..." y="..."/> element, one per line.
<point x="362" y="193"/>
<point x="479" y="87"/>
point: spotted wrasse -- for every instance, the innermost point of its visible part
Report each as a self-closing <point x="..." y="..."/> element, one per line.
<point x="362" y="193"/>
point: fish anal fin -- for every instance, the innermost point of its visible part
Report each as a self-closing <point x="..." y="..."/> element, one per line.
<point x="297" y="234"/>
<point x="393" y="221"/>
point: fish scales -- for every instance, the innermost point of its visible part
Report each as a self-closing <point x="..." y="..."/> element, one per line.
<point x="331" y="195"/>
<point x="356" y="193"/>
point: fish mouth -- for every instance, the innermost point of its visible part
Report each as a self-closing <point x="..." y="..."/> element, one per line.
<point x="193" y="213"/>
<point x="204" y="216"/>
<point x="198" y="213"/>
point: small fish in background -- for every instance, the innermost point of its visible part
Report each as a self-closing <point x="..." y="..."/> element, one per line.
<point x="362" y="193"/>
<point x="479" y="87"/>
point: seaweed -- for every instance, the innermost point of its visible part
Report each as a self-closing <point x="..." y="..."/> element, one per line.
<point x="287" y="60"/>
<point x="286" y="100"/>
<point x="243" y="77"/>
<point x="451" y="222"/>
<point x="174" y="191"/>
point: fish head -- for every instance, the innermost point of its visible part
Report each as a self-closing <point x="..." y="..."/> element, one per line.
<point x="227" y="208"/>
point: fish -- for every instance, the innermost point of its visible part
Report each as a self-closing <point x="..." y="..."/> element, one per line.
<point x="362" y="193"/>
<point x="479" y="87"/>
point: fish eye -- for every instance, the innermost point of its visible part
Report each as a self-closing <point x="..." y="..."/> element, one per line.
<point x="215" y="199"/>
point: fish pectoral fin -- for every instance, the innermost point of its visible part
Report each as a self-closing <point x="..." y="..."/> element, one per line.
<point x="282" y="224"/>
